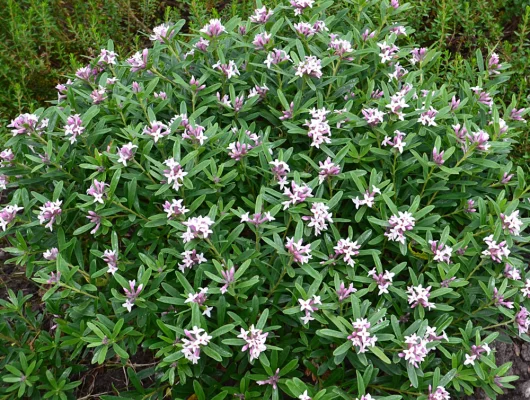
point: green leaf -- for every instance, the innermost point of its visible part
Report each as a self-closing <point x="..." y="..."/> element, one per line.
<point x="380" y="354"/>
<point x="199" y="392"/>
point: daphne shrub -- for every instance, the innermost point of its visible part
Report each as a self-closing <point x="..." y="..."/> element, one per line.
<point x="293" y="206"/>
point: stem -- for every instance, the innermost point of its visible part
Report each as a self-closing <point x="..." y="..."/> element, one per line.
<point x="426" y="181"/>
<point x="282" y="274"/>
<point x="387" y="389"/>
<point x="77" y="290"/>
<point x="335" y="69"/>
<point x="145" y="171"/>
<point x="475" y="270"/>
<point x="215" y="251"/>
<point x="128" y="209"/>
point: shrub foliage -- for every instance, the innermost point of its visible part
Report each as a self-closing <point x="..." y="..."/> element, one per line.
<point x="292" y="206"/>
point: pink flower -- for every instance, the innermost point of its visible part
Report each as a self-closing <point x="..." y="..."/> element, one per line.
<point x="111" y="258"/>
<point x="418" y="295"/>
<point x="198" y="298"/>
<point x="139" y="60"/>
<point x="175" y="208"/>
<point x="373" y="116"/>
<point x="498" y="299"/>
<point x="261" y="40"/>
<point x="327" y="169"/>
<point x="8" y="214"/>
<point x="297" y="194"/>
<point x="255" y="341"/>
<point x="320" y="215"/>
<point x="280" y="170"/>
<point x="517" y="115"/>
<point x="304" y="29"/>
<point x="228" y="279"/>
<point x="387" y="52"/>
<point x="442" y="253"/>
<point x="272" y="380"/>
<point x="95" y="219"/>
<point x="300" y="5"/>
<point x="309" y="306"/>
<point x="51" y="254"/>
<point x="511" y="272"/>
<point x="496" y="250"/>
<point x="301" y="253"/>
<point x="49" y="212"/>
<point x="512" y="223"/>
<point x="198" y="227"/>
<point x="275" y="57"/>
<point x="427" y="118"/>
<point x="175" y="173"/>
<point x="229" y="70"/>
<point x="369" y="198"/>
<point x="418" y="54"/>
<point x="522" y="320"/>
<point x="261" y="15"/>
<point x="196" y="338"/>
<point x="399" y="224"/>
<point x="196" y="85"/>
<point x="97" y="190"/>
<point x="343" y="293"/>
<point x="349" y="249"/>
<point x="340" y="47"/>
<point x="156" y="130"/>
<point x="107" y="57"/>
<point x="361" y="337"/>
<point x="125" y="153"/>
<point x="260" y="91"/>
<point x="202" y="44"/>
<point x="132" y="294"/>
<point x="319" y="129"/>
<point x="257" y="219"/>
<point x="455" y="103"/>
<point x="54" y="278"/>
<point x="190" y="258"/>
<point x="437" y="157"/>
<point x="213" y="28"/>
<point x="310" y="66"/>
<point x="384" y="280"/>
<point x="27" y="124"/>
<point x="494" y="64"/>
<point x="476" y="352"/>
<point x="162" y="32"/>
<point x="368" y="35"/>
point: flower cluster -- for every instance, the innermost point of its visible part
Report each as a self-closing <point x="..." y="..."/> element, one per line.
<point x="192" y="343"/>
<point x="399" y="224"/>
<point x="319" y="218"/>
<point x="361" y="337"/>
<point x="383" y="280"/>
<point x="131" y="294"/>
<point x="49" y="213"/>
<point x="349" y="249"/>
<point x="301" y="253"/>
<point x="496" y="250"/>
<point x="308" y="307"/>
<point x="255" y="339"/>
<point x="419" y="296"/>
<point x="442" y="252"/>
<point x="369" y="198"/>
<point x="175" y="174"/>
<point x="476" y="352"/>
<point x="198" y="227"/>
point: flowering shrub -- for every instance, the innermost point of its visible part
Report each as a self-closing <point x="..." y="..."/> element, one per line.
<point x="287" y="207"/>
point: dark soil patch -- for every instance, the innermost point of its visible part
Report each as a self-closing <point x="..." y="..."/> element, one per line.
<point x="111" y="378"/>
